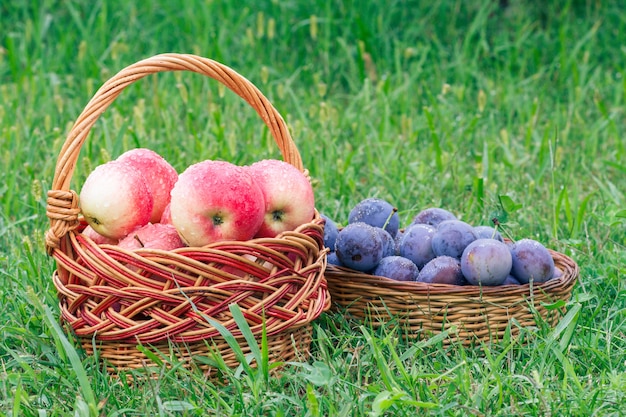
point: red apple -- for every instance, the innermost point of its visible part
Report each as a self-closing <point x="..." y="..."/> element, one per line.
<point x="97" y="237"/>
<point x="115" y="200"/>
<point x="159" y="174"/>
<point x="288" y="194"/>
<point x="153" y="236"/>
<point x="216" y="200"/>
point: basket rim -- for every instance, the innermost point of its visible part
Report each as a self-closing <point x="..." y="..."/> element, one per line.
<point x="340" y="275"/>
<point x="296" y="293"/>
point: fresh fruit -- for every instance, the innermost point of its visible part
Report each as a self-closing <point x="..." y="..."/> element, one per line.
<point x="115" y="199"/>
<point x="452" y="237"/>
<point x="442" y="270"/>
<point x="97" y="237"/>
<point x="330" y="232"/>
<point x="214" y="201"/>
<point x="398" y="239"/>
<point x="389" y="245"/>
<point x="531" y="261"/>
<point x="158" y="173"/>
<point x="376" y="212"/>
<point x="332" y="259"/>
<point x="166" y="217"/>
<point x="433" y="216"/>
<point x="486" y="262"/>
<point x="359" y="247"/>
<point x="510" y="280"/>
<point x="288" y="195"/>
<point x="397" y="268"/>
<point x="416" y="244"/>
<point x="152" y="236"/>
<point x="558" y="272"/>
<point x="443" y="248"/>
<point x="487" y="232"/>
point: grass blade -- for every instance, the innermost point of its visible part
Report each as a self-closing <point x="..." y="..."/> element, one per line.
<point x="235" y="310"/>
<point x="77" y="366"/>
<point x="564" y="330"/>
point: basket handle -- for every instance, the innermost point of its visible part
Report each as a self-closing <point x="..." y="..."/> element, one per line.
<point x="63" y="208"/>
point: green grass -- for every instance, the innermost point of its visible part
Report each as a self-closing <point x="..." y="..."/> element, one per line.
<point x="447" y="103"/>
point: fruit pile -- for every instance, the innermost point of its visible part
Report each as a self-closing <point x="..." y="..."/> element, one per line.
<point x="140" y="201"/>
<point x="436" y="247"/>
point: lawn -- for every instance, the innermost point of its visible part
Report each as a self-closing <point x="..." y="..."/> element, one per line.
<point x="482" y="108"/>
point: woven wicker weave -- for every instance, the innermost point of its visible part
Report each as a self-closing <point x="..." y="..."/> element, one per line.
<point x="478" y="313"/>
<point x="115" y="299"/>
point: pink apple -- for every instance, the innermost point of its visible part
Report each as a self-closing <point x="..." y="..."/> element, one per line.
<point x="97" y="237"/>
<point x="159" y="174"/>
<point x="216" y="200"/>
<point x="152" y="236"/>
<point x="288" y="194"/>
<point x="166" y="217"/>
<point x="115" y="200"/>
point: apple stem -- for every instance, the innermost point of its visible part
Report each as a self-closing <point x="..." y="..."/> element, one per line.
<point x="139" y="240"/>
<point x="393" y="211"/>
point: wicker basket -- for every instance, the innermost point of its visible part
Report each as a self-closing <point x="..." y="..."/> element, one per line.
<point x="469" y="314"/>
<point x="115" y="300"/>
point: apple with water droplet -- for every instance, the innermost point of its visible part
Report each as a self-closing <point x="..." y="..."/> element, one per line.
<point x="115" y="199"/>
<point x="288" y="195"/>
<point x="166" y="217"/>
<point x="152" y="236"/>
<point x="159" y="174"/>
<point x="97" y="237"/>
<point x="214" y="201"/>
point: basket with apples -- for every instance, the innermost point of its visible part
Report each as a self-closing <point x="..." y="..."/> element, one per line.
<point x="149" y="260"/>
<point x="440" y="274"/>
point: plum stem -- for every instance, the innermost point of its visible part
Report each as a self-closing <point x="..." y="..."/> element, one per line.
<point x="499" y="226"/>
<point x="393" y="211"/>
